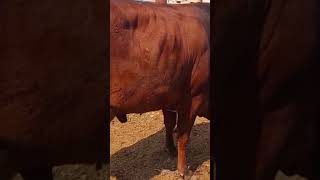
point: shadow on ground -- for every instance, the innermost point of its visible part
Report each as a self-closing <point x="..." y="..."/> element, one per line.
<point x="146" y="158"/>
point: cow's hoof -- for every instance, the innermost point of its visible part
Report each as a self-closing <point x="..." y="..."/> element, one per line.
<point x="186" y="175"/>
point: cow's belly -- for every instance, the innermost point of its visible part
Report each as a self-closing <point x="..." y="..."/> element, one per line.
<point x="145" y="99"/>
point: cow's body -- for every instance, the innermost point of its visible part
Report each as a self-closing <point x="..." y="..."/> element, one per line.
<point x="160" y="60"/>
<point x="271" y="115"/>
<point x="52" y="85"/>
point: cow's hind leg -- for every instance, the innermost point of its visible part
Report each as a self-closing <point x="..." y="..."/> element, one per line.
<point x="170" y="123"/>
<point x="38" y="173"/>
<point x="186" y="118"/>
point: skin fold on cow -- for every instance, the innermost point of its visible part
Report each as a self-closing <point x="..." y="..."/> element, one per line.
<point x="159" y="59"/>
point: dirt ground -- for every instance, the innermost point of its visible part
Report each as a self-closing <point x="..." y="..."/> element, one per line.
<point x="137" y="152"/>
<point x="137" y="149"/>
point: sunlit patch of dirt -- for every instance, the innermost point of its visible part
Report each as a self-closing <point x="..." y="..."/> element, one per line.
<point x="137" y="149"/>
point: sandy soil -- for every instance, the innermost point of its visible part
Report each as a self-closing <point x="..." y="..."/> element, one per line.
<point x="137" y="152"/>
<point x="137" y="149"/>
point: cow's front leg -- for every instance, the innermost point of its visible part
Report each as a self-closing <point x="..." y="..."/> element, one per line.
<point x="170" y="123"/>
<point x="186" y="119"/>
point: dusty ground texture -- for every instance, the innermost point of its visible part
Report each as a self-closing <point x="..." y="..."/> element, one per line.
<point x="137" y="152"/>
<point x="137" y="149"/>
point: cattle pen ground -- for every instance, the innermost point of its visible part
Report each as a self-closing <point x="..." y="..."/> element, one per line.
<point x="137" y="152"/>
<point x="137" y="149"/>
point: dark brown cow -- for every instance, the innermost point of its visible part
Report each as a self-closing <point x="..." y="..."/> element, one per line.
<point x="52" y="85"/>
<point x="266" y="87"/>
<point x="160" y="60"/>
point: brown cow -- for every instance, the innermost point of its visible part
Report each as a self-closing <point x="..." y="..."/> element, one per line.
<point x="266" y="87"/>
<point x="53" y="74"/>
<point x="159" y="59"/>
